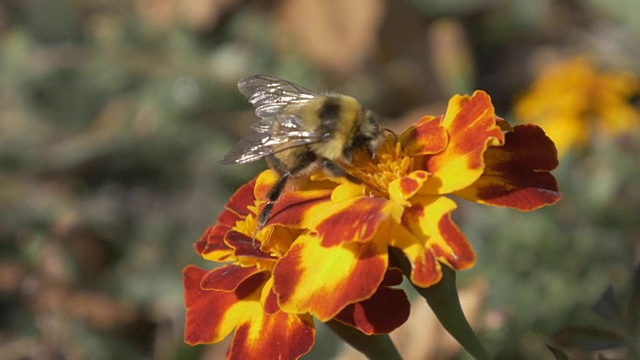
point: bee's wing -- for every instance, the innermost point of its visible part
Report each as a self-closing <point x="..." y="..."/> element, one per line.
<point x="259" y="144"/>
<point x="269" y="95"/>
<point x="252" y="147"/>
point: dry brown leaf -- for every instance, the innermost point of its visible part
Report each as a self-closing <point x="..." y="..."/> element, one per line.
<point x="204" y="14"/>
<point x="199" y="15"/>
<point x="334" y="34"/>
<point x="157" y="14"/>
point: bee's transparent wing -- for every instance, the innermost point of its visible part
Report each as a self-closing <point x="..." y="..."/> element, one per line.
<point x="250" y="148"/>
<point x="269" y="95"/>
<point x="259" y="144"/>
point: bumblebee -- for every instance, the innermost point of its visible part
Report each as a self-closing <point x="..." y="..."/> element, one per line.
<point x="299" y="131"/>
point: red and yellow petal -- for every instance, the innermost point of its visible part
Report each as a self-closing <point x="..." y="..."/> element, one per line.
<point x="264" y="183"/>
<point x="428" y="136"/>
<point x="404" y="188"/>
<point x="277" y="336"/>
<point x="518" y="173"/>
<point x="229" y="277"/>
<point x="295" y="209"/>
<point x="211" y="315"/>
<point x="245" y="248"/>
<point x="293" y="194"/>
<point x="372" y="316"/>
<point x="322" y="281"/>
<point x="425" y="268"/>
<point x="241" y="201"/>
<point x="211" y="245"/>
<point x="357" y="220"/>
<point x="471" y="125"/>
<point x="269" y="298"/>
<point x="429" y="219"/>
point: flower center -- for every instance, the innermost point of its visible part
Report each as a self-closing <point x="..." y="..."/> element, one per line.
<point x="390" y="163"/>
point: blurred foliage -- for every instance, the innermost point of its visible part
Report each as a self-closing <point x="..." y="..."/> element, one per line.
<point x="617" y="332"/>
<point x="113" y="115"/>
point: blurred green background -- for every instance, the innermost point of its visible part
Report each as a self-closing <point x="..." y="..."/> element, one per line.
<point x="114" y="114"/>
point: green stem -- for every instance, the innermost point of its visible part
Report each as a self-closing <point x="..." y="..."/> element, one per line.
<point x="372" y="346"/>
<point x="445" y="303"/>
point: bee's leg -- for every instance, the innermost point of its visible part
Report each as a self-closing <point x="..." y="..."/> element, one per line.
<point x="274" y="194"/>
<point x="277" y="189"/>
<point x="337" y="171"/>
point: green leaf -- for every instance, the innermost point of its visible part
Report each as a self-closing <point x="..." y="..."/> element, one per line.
<point x="558" y="354"/>
<point x="372" y="346"/>
<point x="607" y="307"/>
<point x="443" y="300"/>
<point x="588" y="338"/>
<point x="634" y="301"/>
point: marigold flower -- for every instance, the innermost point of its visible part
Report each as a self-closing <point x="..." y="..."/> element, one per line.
<point x="573" y="101"/>
<point x="324" y="251"/>
<point x="402" y="202"/>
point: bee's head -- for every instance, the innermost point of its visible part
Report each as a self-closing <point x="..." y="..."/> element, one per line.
<point x="368" y="135"/>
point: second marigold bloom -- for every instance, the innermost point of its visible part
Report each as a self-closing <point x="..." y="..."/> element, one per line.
<point x="573" y="101"/>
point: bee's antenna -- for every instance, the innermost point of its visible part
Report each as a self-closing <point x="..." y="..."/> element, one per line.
<point x="395" y="136"/>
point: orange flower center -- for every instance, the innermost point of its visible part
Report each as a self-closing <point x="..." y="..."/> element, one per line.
<point x="390" y="163"/>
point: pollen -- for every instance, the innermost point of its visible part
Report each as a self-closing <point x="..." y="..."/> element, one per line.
<point x="389" y="163"/>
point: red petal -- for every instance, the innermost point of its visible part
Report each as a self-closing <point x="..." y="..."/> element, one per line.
<point x="393" y="277"/>
<point x="518" y="174"/>
<point x="382" y="313"/>
<point x="241" y="200"/>
<point x="271" y="302"/>
<point x="211" y="244"/>
<point x="245" y="246"/>
<point x="229" y="277"/>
